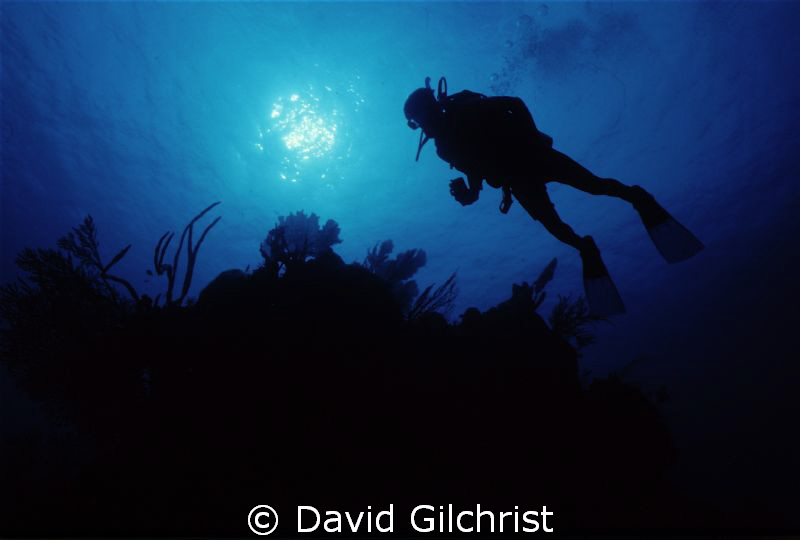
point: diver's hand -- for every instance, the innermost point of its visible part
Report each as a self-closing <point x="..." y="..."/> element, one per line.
<point x="461" y="193"/>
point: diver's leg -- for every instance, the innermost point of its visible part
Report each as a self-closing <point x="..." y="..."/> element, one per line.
<point x="674" y="241"/>
<point x="539" y="206"/>
<point x="565" y="170"/>
<point x="601" y="293"/>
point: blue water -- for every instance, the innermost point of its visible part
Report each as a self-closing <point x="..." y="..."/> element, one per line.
<point x="142" y="114"/>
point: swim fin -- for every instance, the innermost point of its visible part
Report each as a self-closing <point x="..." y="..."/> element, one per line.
<point x="674" y="241"/>
<point x="601" y="293"/>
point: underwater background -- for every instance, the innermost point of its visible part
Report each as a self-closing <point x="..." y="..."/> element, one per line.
<point x="143" y="114"/>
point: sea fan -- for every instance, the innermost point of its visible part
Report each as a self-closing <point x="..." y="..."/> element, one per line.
<point x="298" y="237"/>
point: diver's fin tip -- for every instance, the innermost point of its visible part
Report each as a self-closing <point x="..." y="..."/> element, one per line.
<point x="601" y="293"/>
<point x="674" y="241"/>
<point x="603" y="297"/>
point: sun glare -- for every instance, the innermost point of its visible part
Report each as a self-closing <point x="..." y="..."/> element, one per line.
<point x="308" y="127"/>
<point x="303" y="128"/>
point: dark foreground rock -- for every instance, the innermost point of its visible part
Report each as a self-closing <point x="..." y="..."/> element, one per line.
<point x="310" y="384"/>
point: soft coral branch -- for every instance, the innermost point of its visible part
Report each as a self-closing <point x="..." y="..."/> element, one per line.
<point x="191" y="253"/>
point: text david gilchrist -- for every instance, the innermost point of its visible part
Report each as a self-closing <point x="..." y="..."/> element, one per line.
<point x="425" y="518"/>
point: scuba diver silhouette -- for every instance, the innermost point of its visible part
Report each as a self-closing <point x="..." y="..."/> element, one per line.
<point x="495" y="139"/>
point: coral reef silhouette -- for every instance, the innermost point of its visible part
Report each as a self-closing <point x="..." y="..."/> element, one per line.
<point x="310" y="381"/>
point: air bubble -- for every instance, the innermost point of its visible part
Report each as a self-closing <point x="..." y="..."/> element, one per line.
<point x="524" y="22"/>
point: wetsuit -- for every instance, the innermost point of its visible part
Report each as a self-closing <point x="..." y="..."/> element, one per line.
<point x="495" y="139"/>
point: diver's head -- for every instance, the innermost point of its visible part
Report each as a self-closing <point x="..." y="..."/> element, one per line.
<point x="422" y="110"/>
